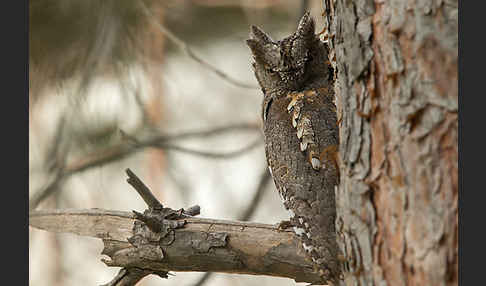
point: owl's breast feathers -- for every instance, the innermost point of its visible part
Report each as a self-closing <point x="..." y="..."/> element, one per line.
<point x="312" y="115"/>
<point x="301" y="139"/>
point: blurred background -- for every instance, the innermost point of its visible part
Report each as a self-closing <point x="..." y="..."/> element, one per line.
<point x="164" y="88"/>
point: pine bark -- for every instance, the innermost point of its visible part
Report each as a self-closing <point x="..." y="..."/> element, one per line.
<point x="397" y="100"/>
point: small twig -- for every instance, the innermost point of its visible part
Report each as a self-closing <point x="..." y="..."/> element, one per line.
<point x="188" y="52"/>
<point x="124" y="136"/>
<point x="128" y="277"/>
<point x="143" y="190"/>
<point x="178" y="177"/>
<point x="252" y="207"/>
<point x="257" y="197"/>
<point x="212" y="155"/>
<point x="200" y="134"/>
<point x="56" y="163"/>
<point x="149" y="198"/>
<point x="135" y="91"/>
<point x="203" y="279"/>
<point x="41" y="195"/>
<point x="193" y="211"/>
<point x="56" y="154"/>
<point x="131" y="276"/>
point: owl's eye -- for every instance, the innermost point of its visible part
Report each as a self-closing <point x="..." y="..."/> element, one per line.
<point x="269" y="70"/>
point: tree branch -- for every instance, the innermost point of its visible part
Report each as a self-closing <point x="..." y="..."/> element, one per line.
<point x="265" y="178"/>
<point x="129" y="277"/>
<point x="188" y="52"/>
<point x="143" y="190"/>
<point x="201" y="245"/>
<point x="162" y="240"/>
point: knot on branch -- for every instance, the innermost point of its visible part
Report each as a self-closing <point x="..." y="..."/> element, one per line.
<point x="153" y="229"/>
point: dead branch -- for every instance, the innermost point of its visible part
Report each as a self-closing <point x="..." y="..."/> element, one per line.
<point x="188" y="51"/>
<point x="162" y="240"/>
<point x="127" y="277"/>
<point x="201" y="245"/>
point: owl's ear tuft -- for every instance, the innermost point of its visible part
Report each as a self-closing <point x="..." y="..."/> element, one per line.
<point x="255" y="47"/>
<point x="266" y="54"/>
<point x="306" y="25"/>
<point x="260" y="35"/>
<point x="303" y="40"/>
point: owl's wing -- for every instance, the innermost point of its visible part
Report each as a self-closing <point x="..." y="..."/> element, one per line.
<point x="301" y="143"/>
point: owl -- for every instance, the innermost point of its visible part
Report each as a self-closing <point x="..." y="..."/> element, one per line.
<point x="301" y="135"/>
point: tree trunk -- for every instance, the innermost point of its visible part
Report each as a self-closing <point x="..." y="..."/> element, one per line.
<point x="397" y="99"/>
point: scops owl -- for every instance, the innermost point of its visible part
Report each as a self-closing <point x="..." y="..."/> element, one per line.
<point x="301" y="134"/>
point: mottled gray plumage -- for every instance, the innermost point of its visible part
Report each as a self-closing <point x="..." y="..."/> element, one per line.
<point x="301" y="134"/>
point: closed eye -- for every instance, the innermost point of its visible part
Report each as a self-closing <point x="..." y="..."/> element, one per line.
<point x="271" y="71"/>
<point x="266" y="108"/>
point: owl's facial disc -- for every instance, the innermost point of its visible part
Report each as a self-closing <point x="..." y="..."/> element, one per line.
<point x="281" y="65"/>
<point x="287" y="54"/>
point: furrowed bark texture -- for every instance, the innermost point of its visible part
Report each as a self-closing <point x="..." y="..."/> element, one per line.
<point x="200" y="245"/>
<point x="397" y="100"/>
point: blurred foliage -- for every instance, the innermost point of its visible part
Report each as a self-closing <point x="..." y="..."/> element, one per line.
<point x="70" y="37"/>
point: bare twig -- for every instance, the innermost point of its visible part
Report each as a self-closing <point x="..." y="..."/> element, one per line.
<point x="128" y="277"/>
<point x="250" y="210"/>
<point x="203" y="279"/>
<point x="201" y="134"/>
<point x="257" y="197"/>
<point x="188" y="52"/>
<point x="149" y="198"/>
<point x="143" y="190"/>
<point x="178" y="177"/>
<point x="56" y="155"/>
<point x="211" y="155"/>
<point x="128" y="86"/>
<point x="48" y="190"/>
<point x="193" y="211"/>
